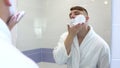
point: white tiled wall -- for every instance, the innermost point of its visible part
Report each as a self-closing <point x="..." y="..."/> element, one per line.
<point x="115" y="34"/>
<point x="116" y="42"/>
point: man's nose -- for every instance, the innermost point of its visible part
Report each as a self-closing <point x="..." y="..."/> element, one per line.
<point x="72" y="16"/>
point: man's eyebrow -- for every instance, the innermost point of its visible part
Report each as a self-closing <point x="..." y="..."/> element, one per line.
<point x="76" y="12"/>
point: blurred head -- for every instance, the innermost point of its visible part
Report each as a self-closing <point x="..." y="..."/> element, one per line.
<point x="77" y="10"/>
<point x="7" y="9"/>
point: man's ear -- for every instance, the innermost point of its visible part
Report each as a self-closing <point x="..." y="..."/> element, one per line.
<point x="7" y="2"/>
<point x="87" y="18"/>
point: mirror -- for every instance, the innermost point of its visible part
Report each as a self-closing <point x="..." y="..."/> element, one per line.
<point x="46" y="20"/>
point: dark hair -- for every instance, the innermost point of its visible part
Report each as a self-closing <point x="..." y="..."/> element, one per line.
<point x="79" y="8"/>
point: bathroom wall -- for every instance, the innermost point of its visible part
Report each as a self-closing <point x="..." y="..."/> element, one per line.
<point x="115" y="62"/>
<point x="46" y="20"/>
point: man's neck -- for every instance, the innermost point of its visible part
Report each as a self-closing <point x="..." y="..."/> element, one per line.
<point x="4" y="17"/>
<point x="81" y="35"/>
<point x="4" y="13"/>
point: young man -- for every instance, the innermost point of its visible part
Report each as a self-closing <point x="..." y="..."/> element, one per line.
<point x="80" y="46"/>
<point x="10" y="57"/>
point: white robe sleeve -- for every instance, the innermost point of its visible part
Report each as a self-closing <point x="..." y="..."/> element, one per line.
<point x="104" y="59"/>
<point x="10" y="56"/>
<point x="60" y="53"/>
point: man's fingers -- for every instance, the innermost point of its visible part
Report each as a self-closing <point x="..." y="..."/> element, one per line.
<point x="15" y="19"/>
<point x="68" y="26"/>
<point x="20" y="15"/>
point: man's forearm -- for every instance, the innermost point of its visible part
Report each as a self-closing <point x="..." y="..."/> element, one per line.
<point x="68" y="43"/>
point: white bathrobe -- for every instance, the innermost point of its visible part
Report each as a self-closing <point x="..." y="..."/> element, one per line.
<point x="93" y="52"/>
<point x="11" y="57"/>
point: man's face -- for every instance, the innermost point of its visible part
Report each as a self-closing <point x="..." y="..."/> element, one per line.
<point x="74" y="13"/>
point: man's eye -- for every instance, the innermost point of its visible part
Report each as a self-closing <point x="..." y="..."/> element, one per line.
<point x="77" y="13"/>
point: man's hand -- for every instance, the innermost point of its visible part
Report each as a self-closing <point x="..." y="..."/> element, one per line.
<point x="15" y="19"/>
<point x="74" y="29"/>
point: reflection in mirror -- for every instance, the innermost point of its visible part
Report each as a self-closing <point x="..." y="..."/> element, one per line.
<point x="46" y="20"/>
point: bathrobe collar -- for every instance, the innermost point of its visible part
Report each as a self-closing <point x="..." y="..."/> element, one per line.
<point x="77" y="49"/>
<point x="4" y="32"/>
<point x="88" y="37"/>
